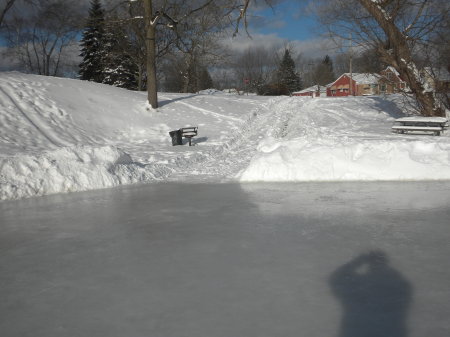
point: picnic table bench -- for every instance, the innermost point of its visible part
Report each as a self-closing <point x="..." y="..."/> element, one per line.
<point x="187" y="132"/>
<point x="436" y="125"/>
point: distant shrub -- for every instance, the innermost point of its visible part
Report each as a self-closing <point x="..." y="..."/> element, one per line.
<point x="273" y="89"/>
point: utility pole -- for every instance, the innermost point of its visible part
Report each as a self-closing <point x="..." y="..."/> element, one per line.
<point x="351" y="70"/>
<point x="351" y="76"/>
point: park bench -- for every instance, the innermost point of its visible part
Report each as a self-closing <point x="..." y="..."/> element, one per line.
<point x="187" y="132"/>
<point x="436" y="125"/>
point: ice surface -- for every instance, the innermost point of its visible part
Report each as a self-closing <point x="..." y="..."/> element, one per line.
<point x="206" y="260"/>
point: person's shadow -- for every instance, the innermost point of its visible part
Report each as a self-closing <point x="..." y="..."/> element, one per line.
<point x="375" y="298"/>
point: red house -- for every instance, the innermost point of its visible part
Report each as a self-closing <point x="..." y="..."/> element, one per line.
<point x="341" y="87"/>
<point x="354" y="84"/>
<point x="391" y="81"/>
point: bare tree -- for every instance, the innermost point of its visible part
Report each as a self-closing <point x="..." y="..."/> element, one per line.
<point x="40" y="39"/>
<point x="256" y="66"/>
<point x="7" y="6"/>
<point x="171" y="14"/>
<point x="198" y="42"/>
<point x="151" y="20"/>
<point x="395" y="29"/>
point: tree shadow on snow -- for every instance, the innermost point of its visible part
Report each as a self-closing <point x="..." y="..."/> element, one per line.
<point x="168" y="101"/>
<point x="389" y="107"/>
<point x="375" y="297"/>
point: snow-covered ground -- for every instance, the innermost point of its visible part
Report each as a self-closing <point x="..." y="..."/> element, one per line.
<point x="63" y="135"/>
<point x="346" y="140"/>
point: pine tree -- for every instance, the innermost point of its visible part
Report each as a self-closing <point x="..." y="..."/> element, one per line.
<point x="204" y="79"/>
<point x="91" y="68"/>
<point x="324" y="73"/>
<point x="118" y="68"/>
<point x="287" y="75"/>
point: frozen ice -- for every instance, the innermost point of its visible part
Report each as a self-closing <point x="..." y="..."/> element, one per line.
<point x="208" y="260"/>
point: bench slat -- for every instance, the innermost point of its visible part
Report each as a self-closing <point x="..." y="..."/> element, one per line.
<point x="418" y="119"/>
<point x="418" y="128"/>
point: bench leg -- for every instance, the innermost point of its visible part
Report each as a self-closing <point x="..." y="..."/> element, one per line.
<point x="190" y="141"/>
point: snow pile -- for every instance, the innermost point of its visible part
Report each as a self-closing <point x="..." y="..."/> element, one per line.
<point x="345" y="140"/>
<point x="61" y="135"/>
<point x="71" y="169"/>
<point x="302" y="160"/>
<point x="209" y="92"/>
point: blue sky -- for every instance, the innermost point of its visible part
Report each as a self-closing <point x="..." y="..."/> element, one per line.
<point x="288" y="20"/>
<point x="287" y="24"/>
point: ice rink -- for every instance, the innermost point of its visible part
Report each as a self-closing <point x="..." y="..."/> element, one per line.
<point x="228" y="260"/>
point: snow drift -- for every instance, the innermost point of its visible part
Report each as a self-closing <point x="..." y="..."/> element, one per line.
<point x="62" y="135"/>
<point x="71" y="169"/>
<point x="299" y="160"/>
<point x="345" y="140"/>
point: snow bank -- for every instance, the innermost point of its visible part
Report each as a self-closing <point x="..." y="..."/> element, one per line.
<point x="210" y="92"/>
<point x="348" y="160"/>
<point x="71" y="169"/>
<point x="61" y="135"/>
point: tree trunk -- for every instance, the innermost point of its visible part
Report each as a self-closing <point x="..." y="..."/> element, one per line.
<point x="151" y="54"/>
<point x="400" y="57"/>
<point x="139" y="77"/>
<point x="188" y="76"/>
<point x="7" y="7"/>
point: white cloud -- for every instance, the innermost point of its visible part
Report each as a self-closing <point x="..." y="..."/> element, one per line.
<point x="316" y="47"/>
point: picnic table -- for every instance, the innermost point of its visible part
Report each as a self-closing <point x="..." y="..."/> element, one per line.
<point x="436" y="125"/>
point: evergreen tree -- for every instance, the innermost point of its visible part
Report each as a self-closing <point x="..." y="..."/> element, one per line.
<point x="204" y="79"/>
<point x="287" y="75"/>
<point x="118" y="68"/>
<point x="91" y="68"/>
<point x="324" y="73"/>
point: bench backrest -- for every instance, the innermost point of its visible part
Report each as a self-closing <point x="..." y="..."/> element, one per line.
<point x="189" y="131"/>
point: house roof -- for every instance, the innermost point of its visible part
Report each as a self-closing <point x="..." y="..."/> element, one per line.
<point x="310" y="89"/>
<point x="365" y="78"/>
<point x="393" y="70"/>
<point x="361" y="78"/>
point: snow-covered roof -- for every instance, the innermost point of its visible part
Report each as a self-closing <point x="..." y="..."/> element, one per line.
<point x="365" y="78"/>
<point x="393" y="70"/>
<point x="360" y="78"/>
<point x="313" y="88"/>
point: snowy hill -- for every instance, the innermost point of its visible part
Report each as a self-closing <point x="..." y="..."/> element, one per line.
<point x="62" y="135"/>
<point x="347" y="139"/>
